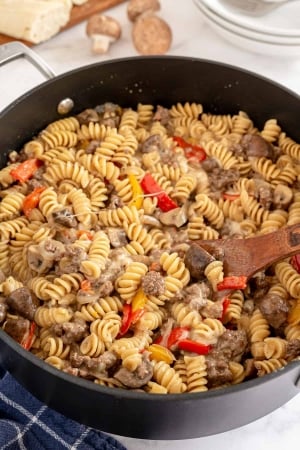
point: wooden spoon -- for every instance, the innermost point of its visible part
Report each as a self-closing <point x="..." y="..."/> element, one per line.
<point x="248" y="256"/>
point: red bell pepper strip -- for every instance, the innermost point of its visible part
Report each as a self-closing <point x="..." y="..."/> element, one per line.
<point x="125" y="319"/>
<point x="31" y="201"/>
<point x="230" y="196"/>
<point x="225" y="305"/>
<point x="129" y="318"/>
<point x="136" y="315"/>
<point x="27" y="342"/>
<point x="86" y="285"/>
<point x="87" y="234"/>
<point x="149" y="186"/>
<point x="193" y="346"/>
<point x="295" y="262"/>
<point x="26" y="169"/>
<point x="176" y="335"/>
<point x="191" y="151"/>
<point x="232" y="282"/>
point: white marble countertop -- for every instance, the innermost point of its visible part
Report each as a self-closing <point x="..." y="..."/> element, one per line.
<point x="191" y="37"/>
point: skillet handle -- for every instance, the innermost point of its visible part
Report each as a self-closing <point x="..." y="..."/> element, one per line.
<point x="14" y="50"/>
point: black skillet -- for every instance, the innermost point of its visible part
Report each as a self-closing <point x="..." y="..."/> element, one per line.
<point x="222" y="89"/>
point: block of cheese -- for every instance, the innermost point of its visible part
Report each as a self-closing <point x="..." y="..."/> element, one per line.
<point x="33" y="20"/>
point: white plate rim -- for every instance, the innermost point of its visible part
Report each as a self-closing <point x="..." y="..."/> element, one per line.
<point x="247" y="40"/>
<point x="231" y="18"/>
<point x="280" y="40"/>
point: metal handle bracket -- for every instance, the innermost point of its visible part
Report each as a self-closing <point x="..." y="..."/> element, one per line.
<point x="14" y="50"/>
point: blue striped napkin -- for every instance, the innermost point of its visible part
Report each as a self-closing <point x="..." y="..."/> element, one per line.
<point x="28" y="424"/>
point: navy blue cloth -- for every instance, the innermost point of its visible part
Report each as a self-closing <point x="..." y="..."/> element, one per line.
<point x="28" y="424"/>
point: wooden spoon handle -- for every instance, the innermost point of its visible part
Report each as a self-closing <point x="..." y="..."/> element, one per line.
<point x="270" y="248"/>
<point x="248" y="256"/>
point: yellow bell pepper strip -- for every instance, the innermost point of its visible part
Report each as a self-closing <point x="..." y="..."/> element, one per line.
<point x="26" y="169"/>
<point x="139" y="300"/>
<point x="160" y="353"/>
<point x="232" y="282"/>
<point x="192" y="151"/>
<point x="149" y="186"/>
<point x="193" y="346"/>
<point x="28" y="339"/>
<point x="31" y="201"/>
<point x="137" y="192"/>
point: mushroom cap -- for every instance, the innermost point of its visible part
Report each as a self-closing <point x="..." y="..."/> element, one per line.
<point x="104" y="25"/>
<point x="137" y="7"/>
<point x="151" y="35"/>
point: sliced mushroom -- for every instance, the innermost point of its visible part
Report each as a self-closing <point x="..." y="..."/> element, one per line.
<point x="24" y="302"/>
<point x="257" y="146"/>
<point x="177" y="217"/>
<point x="152" y="143"/>
<point x="36" y="261"/>
<point x="283" y="196"/>
<point x="196" y="260"/>
<point x="65" y="218"/>
<point x="137" y="7"/>
<point x="103" y="31"/>
<point x="17" y="328"/>
<point x="138" y="378"/>
<point x="88" y="115"/>
<point x="117" y="237"/>
<point x="151" y="35"/>
<point x="51" y="249"/>
<point x="3" y="309"/>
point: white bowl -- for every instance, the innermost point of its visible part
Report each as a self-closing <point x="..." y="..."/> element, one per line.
<point x="268" y="38"/>
<point x="248" y="43"/>
<point x="284" y="21"/>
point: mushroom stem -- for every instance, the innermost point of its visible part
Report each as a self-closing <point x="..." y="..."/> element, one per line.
<point x="101" y="43"/>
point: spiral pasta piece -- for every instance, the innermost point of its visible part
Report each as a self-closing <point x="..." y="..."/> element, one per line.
<point x="258" y="327"/>
<point x="211" y="211"/>
<point x="208" y="331"/>
<point x="92" y="346"/>
<point x="63" y="285"/>
<point x="196" y="373"/>
<point x="98" y="309"/>
<point x="289" y="278"/>
<point x="107" y="328"/>
<point x="9" y="228"/>
<point x="128" y="283"/>
<point x="11" y="205"/>
<point x="214" y="273"/>
<point x="45" y="316"/>
<point x="166" y="376"/>
<point x="117" y="217"/>
<point x="97" y="256"/>
<point x="268" y="366"/>
<point x="58" y="137"/>
<point x="62" y="170"/>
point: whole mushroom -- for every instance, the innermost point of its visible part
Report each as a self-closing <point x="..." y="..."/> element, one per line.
<point x="103" y="31"/>
<point x="151" y="35"/>
<point x="137" y="7"/>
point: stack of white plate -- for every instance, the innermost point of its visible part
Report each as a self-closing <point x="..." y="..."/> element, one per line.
<point x="275" y="33"/>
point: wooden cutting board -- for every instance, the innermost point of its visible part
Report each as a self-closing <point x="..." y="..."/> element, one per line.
<point x="78" y="14"/>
